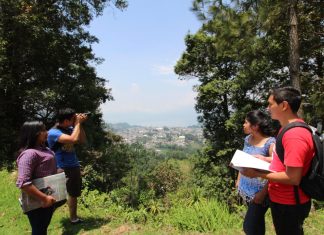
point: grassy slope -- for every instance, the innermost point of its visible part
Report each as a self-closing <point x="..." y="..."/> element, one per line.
<point x="100" y="221"/>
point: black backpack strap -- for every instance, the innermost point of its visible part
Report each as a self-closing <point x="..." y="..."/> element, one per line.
<point x="296" y="194"/>
<point x="281" y="151"/>
<point x="279" y="148"/>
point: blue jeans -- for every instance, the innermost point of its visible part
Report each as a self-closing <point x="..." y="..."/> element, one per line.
<point x="254" y="221"/>
<point x="39" y="220"/>
<point x="289" y="219"/>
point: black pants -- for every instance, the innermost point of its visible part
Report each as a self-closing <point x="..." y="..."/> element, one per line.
<point x="289" y="219"/>
<point x="39" y="220"/>
<point x="254" y="221"/>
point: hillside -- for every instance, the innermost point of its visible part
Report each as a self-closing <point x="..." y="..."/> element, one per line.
<point x="102" y="216"/>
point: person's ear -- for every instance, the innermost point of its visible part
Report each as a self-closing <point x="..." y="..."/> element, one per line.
<point x="65" y="122"/>
<point x="254" y="127"/>
<point x="285" y="105"/>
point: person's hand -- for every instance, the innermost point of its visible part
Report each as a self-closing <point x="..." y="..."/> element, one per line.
<point x="249" y="172"/>
<point x="80" y="118"/>
<point x="259" y="156"/>
<point x="263" y="158"/>
<point x="259" y="197"/>
<point x="48" y="201"/>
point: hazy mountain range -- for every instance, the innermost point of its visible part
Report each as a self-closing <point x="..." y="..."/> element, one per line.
<point x="125" y="125"/>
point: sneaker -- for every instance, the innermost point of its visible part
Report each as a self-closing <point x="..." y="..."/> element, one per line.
<point x="76" y="221"/>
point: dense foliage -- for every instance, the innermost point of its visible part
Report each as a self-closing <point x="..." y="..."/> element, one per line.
<point x="240" y="52"/>
<point x="46" y="63"/>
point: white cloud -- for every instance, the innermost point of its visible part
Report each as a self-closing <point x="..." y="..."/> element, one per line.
<point x="150" y="103"/>
<point x="163" y="69"/>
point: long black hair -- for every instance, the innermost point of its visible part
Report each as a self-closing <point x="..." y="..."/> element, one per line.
<point x="28" y="135"/>
<point x="261" y="119"/>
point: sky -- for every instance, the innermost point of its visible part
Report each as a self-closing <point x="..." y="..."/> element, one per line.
<point x="140" y="46"/>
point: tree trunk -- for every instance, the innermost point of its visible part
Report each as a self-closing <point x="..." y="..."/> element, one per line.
<point x="293" y="45"/>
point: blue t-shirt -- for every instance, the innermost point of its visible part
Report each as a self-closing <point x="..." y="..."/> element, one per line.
<point x="65" y="154"/>
<point x="248" y="187"/>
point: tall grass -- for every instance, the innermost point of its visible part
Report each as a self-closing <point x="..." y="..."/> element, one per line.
<point x="204" y="216"/>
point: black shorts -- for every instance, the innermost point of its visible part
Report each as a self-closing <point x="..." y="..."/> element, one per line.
<point x="74" y="181"/>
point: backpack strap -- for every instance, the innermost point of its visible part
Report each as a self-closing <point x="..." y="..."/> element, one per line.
<point x="279" y="148"/>
<point x="281" y="151"/>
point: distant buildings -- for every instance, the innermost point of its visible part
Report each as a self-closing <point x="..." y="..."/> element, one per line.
<point x="159" y="137"/>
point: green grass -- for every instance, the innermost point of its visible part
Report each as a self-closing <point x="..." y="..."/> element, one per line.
<point x="103" y="217"/>
<point x="204" y="216"/>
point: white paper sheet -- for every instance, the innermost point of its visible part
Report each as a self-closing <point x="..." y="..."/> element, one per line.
<point x="244" y="160"/>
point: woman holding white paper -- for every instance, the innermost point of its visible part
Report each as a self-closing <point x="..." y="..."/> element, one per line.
<point x="258" y="142"/>
<point x="35" y="161"/>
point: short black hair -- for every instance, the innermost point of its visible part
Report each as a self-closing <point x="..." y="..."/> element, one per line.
<point x="289" y="94"/>
<point x="65" y="114"/>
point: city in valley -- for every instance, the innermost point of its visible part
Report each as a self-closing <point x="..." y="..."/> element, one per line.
<point x="160" y="137"/>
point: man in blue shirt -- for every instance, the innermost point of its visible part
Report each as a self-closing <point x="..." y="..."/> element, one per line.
<point x="61" y="139"/>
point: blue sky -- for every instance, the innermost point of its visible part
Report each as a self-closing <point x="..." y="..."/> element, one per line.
<point x="141" y="46"/>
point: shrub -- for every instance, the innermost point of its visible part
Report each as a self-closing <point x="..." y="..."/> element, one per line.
<point x="165" y="178"/>
<point x="203" y="216"/>
<point x="95" y="199"/>
<point x="216" y="180"/>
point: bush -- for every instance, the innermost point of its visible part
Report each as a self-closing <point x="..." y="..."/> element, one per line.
<point x="165" y="178"/>
<point x="203" y="216"/>
<point x="95" y="199"/>
<point x="104" y="170"/>
<point x="216" y="179"/>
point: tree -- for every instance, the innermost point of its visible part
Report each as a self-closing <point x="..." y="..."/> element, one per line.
<point x="239" y="53"/>
<point x="46" y="63"/>
<point x="305" y="46"/>
<point x="294" y="45"/>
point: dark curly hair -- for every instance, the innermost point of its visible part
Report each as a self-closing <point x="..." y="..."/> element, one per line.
<point x="263" y="121"/>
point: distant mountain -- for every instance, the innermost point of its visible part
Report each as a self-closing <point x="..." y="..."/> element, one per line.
<point x="194" y="126"/>
<point x="124" y="125"/>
